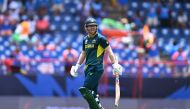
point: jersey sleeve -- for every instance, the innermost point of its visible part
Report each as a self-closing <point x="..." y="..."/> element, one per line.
<point x="104" y="42"/>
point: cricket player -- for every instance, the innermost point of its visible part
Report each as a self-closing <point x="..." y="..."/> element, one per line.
<point x="94" y="46"/>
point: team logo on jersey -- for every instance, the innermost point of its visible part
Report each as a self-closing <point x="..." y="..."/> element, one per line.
<point x="89" y="45"/>
<point x="94" y="41"/>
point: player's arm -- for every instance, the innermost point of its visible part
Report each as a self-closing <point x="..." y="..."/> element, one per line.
<point x="117" y="69"/>
<point x="82" y="57"/>
<point x="75" y="68"/>
<point x="110" y="54"/>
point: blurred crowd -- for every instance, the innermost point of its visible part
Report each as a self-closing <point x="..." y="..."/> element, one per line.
<point x="45" y="36"/>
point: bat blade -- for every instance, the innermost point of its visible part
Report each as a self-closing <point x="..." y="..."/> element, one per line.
<point x="117" y="91"/>
<point x="117" y="86"/>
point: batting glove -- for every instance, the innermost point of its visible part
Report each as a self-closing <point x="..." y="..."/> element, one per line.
<point x="117" y="69"/>
<point x="74" y="70"/>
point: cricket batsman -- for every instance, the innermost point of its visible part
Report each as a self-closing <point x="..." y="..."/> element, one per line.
<point x="94" y="46"/>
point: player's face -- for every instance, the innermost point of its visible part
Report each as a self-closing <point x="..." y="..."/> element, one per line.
<point x="91" y="29"/>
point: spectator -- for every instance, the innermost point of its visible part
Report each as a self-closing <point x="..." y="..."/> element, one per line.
<point x="14" y="62"/>
<point x="164" y="15"/>
<point x="23" y="30"/>
<point x="14" y="8"/>
<point x="180" y="60"/>
<point x="11" y="66"/>
<point x="5" y="27"/>
<point x="174" y="47"/>
<point x="42" y="25"/>
<point x="182" y="19"/>
<point x="148" y="38"/>
<point x="152" y="18"/>
<point x="70" y="56"/>
<point x="154" y="52"/>
<point x="57" y="5"/>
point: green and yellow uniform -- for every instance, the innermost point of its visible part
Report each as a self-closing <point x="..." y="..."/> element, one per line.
<point x="94" y="48"/>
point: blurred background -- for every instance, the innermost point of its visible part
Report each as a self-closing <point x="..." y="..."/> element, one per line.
<point x="41" y="39"/>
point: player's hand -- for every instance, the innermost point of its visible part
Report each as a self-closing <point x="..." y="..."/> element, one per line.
<point x="74" y="70"/>
<point x="117" y="69"/>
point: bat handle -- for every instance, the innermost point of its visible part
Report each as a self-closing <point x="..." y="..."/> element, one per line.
<point x="117" y="77"/>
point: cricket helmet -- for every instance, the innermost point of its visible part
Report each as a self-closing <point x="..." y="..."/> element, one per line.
<point x="90" y="21"/>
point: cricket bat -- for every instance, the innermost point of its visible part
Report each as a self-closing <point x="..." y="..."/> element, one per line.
<point x="117" y="88"/>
